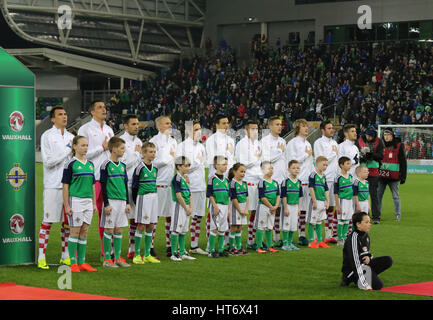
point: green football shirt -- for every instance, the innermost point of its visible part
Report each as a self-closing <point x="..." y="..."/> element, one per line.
<point x="179" y="184"/>
<point x="116" y="179"/>
<point x="144" y="179"/>
<point x="80" y="177"/>
<point x="318" y="183"/>
<point x="361" y="189"/>
<point x="292" y="191"/>
<point x="218" y="189"/>
<point x="344" y="187"/>
<point x="238" y="191"/>
<point x="269" y="190"/>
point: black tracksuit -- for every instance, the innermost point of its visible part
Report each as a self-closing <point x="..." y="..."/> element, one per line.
<point x="356" y="247"/>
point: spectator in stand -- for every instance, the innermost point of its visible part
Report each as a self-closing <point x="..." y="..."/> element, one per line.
<point x="293" y="77"/>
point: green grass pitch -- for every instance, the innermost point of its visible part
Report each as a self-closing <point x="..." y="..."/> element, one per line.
<point x="305" y="274"/>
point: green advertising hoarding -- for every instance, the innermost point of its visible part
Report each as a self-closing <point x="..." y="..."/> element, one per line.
<point x="17" y="162"/>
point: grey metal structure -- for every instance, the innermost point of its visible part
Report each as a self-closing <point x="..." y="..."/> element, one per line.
<point x="146" y="33"/>
<point x="46" y="58"/>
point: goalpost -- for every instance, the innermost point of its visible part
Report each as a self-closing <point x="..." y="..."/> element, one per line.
<point x="418" y="143"/>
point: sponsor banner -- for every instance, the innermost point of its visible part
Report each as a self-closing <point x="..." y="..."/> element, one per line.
<point x="419" y="166"/>
<point x="17" y="162"/>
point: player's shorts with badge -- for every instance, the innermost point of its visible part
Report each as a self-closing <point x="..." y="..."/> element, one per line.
<point x="316" y="216"/>
<point x="53" y="205"/>
<point x="346" y="209"/>
<point x="146" y="208"/>
<point x="219" y="222"/>
<point x="82" y="211"/>
<point x="290" y="223"/>
<point x="235" y="217"/>
<point x="264" y="220"/>
<point x="179" y="219"/>
<point x="199" y="203"/>
<point x="117" y="218"/>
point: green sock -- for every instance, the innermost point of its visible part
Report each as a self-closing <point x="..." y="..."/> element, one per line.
<point x="259" y="238"/>
<point x="72" y="248"/>
<point x="238" y="240"/>
<point x="106" y="244"/>
<point x="310" y="232"/>
<point x="212" y="238"/>
<point x="138" y="237"/>
<point x="117" y="244"/>
<point x="174" y="239"/>
<point x="147" y="243"/>
<point x="268" y="235"/>
<point x="220" y="242"/>
<point x="319" y="232"/>
<point x="285" y="238"/>
<point x="232" y="240"/>
<point x="81" y="248"/>
<point x="345" y="229"/>
<point x="339" y="230"/>
<point x="290" y="238"/>
<point x="181" y="244"/>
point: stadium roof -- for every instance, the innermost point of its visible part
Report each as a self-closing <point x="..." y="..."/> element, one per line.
<point x="148" y="33"/>
<point x="45" y="58"/>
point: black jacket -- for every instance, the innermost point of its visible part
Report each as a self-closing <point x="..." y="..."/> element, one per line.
<point x="356" y="247"/>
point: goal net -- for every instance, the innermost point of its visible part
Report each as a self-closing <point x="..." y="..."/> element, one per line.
<point x="418" y="144"/>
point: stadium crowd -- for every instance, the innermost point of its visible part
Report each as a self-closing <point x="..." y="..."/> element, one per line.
<point x="363" y="83"/>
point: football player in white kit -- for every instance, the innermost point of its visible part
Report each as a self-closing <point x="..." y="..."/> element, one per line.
<point x="219" y="144"/>
<point x="56" y="146"/>
<point x="348" y="148"/>
<point x="300" y="149"/>
<point x="131" y="158"/>
<point x="248" y="152"/>
<point x="165" y="155"/>
<point x="195" y="152"/>
<point x="274" y="151"/>
<point x="327" y="147"/>
<point x="98" y="133"/>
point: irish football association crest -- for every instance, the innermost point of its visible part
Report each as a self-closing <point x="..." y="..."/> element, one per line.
<point x="16" y="177"/>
